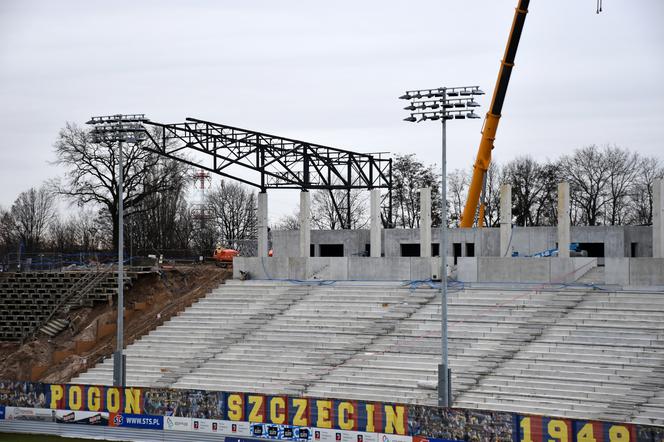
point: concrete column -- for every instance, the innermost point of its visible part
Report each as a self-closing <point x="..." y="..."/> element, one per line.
<point x="262" y="224"/>
<point x="425" y="222"/>
<point x="505" y="219"/>
<point x="305" y="224"/>
<point x="563" y="220"/>
<point x="375" y="223"/>
<point x="658" y="219"/>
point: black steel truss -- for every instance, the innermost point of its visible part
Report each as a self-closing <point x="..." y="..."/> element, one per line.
<point x="271" y="162"/>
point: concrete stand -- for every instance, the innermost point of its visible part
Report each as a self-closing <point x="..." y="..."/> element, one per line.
<point x="305" y="224"/>
<point x="262" y="224"/>
<point x="563" y="220"/>
<point x="425" y="222"/>
<point x="375" y="224"/>
<point x="505" y="219"/>
<point x="658" y="219"/>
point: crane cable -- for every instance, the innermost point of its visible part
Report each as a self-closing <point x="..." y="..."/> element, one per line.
<point x="599" y="6"/>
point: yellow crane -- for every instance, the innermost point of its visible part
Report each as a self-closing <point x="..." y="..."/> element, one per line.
<point x="478" y="182"/>
<point x="483" y="160"/>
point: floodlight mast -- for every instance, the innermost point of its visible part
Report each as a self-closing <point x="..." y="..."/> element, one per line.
<point x="443" y="108"/>
<point x="119" y="128"/>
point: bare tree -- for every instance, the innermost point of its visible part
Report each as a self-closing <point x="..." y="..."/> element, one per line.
<point x="623" y="168"/>
<point x="324" y="215"/>
<point x="153" y="223"/>
<point x="234" y="210"/>
<point x="91" y="175"/>
<point x="457" y="188"/>
<point x="408" y="176"/>
<point x="289" y="222"/>
<point x="588" y="176"/>
<point x="63" y="235"/>
<point x="88" y="232"/>
<point x="492" y="195"/>
<point x="523" y="174"/>
<point x="641" y="198"/>
<point x="31" y="215"/>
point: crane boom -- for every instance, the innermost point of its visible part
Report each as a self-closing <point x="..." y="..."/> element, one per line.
<point x="492" y="118"/>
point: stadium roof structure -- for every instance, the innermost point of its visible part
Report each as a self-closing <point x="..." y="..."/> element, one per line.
<point x="269" y="161"/>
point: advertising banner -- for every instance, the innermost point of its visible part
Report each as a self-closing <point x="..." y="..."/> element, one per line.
<point x="432" y="439"/>
<point x="547" y="429"/>
<point x="281" y="432"/>
<point x="94" y="398"/>
<point x="296" y="419"/>
<point x="81" y="417"/>
<point x="136" y="421"/>
<point x="29" y="414"/>
<point x="326" y="435"/>
<point x="219" y="426"/>
<point x="174" y="423"/>
<point x="394" y="438"/>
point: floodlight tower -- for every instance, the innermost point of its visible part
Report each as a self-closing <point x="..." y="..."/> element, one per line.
<point x="129" y="129"/>
<point x="436" y="104"/>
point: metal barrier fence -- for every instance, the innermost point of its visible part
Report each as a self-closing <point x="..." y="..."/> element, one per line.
<point x="58" y="261"/>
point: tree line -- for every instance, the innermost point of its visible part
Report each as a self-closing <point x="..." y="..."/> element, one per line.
<point x="609" y="185"/>
<point x="78" y="212"/>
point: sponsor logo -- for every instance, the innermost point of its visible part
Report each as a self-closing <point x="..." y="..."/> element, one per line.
<point x="136" y="421"/>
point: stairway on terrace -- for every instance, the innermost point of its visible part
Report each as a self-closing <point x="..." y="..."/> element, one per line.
<point x="27" y="299"/>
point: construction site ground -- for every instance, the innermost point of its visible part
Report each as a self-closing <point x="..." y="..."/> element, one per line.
<point x="160" y="296"/>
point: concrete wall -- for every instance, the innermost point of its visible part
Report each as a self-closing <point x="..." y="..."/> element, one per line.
<point x="530" y="270"/>
<point x="634" y="271"/>
<point x="286" y="242"/>
<point x="346" y="268"/>
<point x="642" y="237"/>
<point x="617" y="240"/>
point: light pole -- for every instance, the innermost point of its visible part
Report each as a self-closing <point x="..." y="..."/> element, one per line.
<point x="119" y="128"/>
<point x="436" y="104"/>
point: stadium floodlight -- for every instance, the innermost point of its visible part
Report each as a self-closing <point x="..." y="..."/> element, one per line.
<point x="119" y="128"/>
<point x="443" y="108"/>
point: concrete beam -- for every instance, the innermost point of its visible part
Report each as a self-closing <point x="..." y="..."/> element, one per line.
<point x="505" y="219"/>
<point x="563" y="220"/>
<point x="375" y="224"/>
<point x="658" y="219"/>
<point x="425" y="222"/>
<point x="262" y="224"/>
<point x="305" y="224"/>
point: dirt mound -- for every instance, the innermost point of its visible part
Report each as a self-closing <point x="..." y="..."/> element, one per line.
<point x="153" y="299"/>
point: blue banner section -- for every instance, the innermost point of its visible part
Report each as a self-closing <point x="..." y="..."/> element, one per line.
<point x="137" y="421"/>
<point x="2" y="411"/>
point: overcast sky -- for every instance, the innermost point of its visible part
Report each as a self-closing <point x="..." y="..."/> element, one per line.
<point x="329" y="72"/>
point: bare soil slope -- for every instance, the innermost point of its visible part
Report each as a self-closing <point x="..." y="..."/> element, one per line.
<point x="152" y="300"/>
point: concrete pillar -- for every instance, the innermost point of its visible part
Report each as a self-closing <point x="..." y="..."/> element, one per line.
<point x="262" y="224"/>
<point x="305" y="224"/>
<point x="375" y="223"/>
<point x="563" y="220"/>
<point x="658" y="219"/>
<point x="425" y="222"/>
<point x="505" y="219"/>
